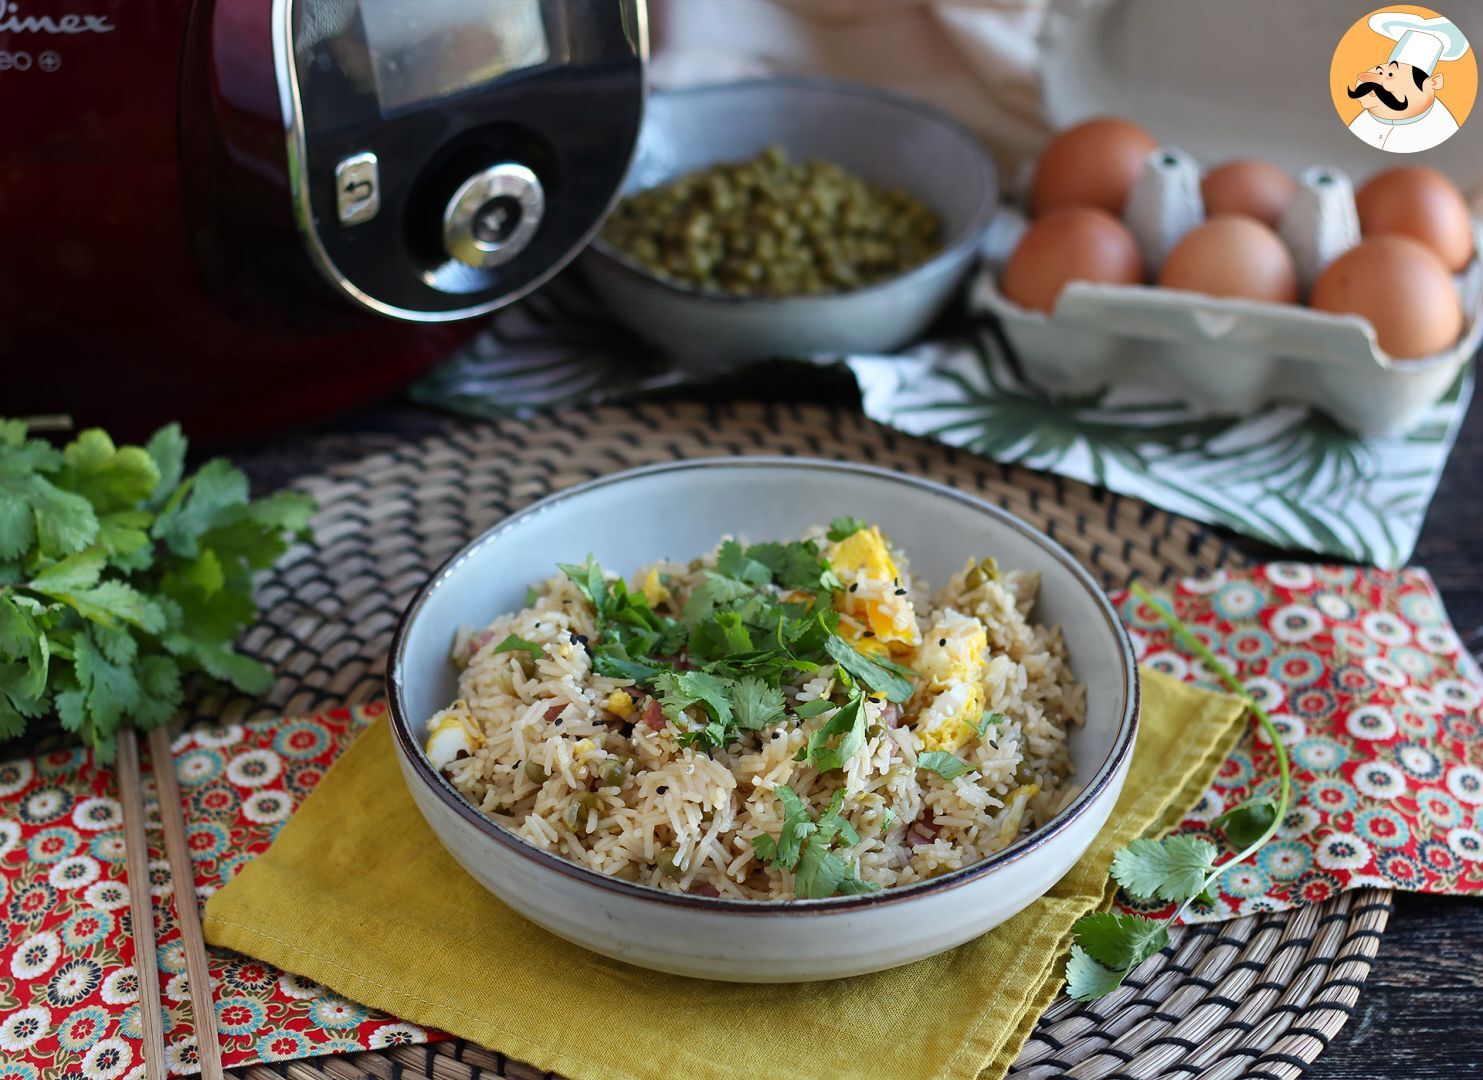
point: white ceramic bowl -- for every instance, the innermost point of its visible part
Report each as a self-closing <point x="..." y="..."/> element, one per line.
<point x="889" y="140"/>
<point x="682" y="510"/>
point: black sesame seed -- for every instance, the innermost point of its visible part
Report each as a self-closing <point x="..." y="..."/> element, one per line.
<point x="994" y="744"/>
<point x="868" y="633"/>
<point x="559" y="721"/>
<point x="661" y="789"/>
<point x="854" y="586"/>
<point x="900" y="592"/>
<point x="942" y="642"/>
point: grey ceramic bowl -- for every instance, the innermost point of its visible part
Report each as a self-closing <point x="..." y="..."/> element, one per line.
<point x="889" y="140"/>
<point x="691" y="505"/>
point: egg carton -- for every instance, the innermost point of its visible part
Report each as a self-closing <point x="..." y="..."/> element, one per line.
<point x="1227" y="356"/>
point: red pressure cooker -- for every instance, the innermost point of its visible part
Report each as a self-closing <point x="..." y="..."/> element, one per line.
<point x="244" y="213"/>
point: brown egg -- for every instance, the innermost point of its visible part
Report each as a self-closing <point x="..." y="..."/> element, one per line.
<point x="1401" y="287"/>
<point x="1257" y="189"/>
<point x="1094" y="163"/>
<point x="1074" y="243"/>
<point x="1232" y="256"/>
<point x="1420" y="203"/>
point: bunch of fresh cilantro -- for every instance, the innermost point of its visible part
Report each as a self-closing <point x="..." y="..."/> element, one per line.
<point x="119" y="575"/>
<point x="1176" y="869"/>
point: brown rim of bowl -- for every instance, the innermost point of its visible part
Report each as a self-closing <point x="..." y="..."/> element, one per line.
<point x="412" y="749"/>
<point x="967" y="239"/>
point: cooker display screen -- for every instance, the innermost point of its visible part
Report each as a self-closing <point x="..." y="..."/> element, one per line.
<point x="421" y="51"/>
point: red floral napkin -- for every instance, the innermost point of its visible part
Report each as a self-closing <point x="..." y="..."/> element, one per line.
<point x="69" y="994"/>
<point x="1378" y="703"/>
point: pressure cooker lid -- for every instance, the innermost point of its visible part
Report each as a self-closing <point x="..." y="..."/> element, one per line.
<point x="449" y="157"/>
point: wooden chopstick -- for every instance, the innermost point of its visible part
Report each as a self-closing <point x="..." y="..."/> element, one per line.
<point x="182" y="873"/>
<point x="141" y="906"/>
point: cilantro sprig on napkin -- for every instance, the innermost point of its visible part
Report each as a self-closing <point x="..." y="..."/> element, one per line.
<point x="119" y="575"/>
<point x="1108" y="945"/>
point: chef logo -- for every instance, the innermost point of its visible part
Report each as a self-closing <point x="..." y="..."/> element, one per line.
<point x="1404" y="79"/>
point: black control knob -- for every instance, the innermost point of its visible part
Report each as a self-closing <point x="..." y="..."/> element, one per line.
<point x="493" y="215"/>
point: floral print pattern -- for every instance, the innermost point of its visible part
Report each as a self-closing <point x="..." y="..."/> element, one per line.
<point x="69" y="989"/>
<point x="1379" y="707"/>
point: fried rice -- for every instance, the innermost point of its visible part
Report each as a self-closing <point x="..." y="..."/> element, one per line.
<point x="627" y="776"/>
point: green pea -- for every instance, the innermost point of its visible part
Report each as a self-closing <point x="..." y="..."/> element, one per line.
<point x="613" y="772"/>
<point x="535" y="772"/>
<point x="576" y="812"/>
<point x="666" y="861"/>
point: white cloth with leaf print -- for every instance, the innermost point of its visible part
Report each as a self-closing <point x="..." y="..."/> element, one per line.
<point x="1287" y="475"/>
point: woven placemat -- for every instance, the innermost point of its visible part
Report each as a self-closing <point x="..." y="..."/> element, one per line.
<point x="1259" y="996"/>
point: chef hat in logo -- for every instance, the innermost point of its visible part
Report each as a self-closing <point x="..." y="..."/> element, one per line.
<point x="1420" y="42"/>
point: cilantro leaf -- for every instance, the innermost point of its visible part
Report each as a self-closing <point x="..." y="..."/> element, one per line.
<point x="201" y="503"/>
<point x="988" y="720"/>
<point x="722" y="635"/>
<point x="78" y="571"/>
<point x="796" y="565"/>
<point x="1247" y="823"/>
<point x="1173" y="868"/>
<point x="166" y="448"/>
<point x="734" y="563"/>
<point x="589" y="580"/>
<point x="848" y="723"/>
<point x="1119" y="941"/>
<point x="680" y="690"/>
<point x="755" y="704"/>
<point x="813" y="708"/>
<point x="160" y="692"/>
<point x="712" y="591"/>
<point x="842" y="528"/>
<point x="108" y="477"/>
<point x="798" y="825"/>
<point x="531" y="596"/>
<point x="877" y="673"/>
<point x="1087" y="980"/>
<point x="34" y="511"/>
<point x="946" y="765"/>
<point x="514" y="643"/>
<point x="804" y="846"/>
<point x="612" y="660"/>
<point x="110" y="602"/>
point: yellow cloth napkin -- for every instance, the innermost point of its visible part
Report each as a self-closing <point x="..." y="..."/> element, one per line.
<point x="358" y="894"/>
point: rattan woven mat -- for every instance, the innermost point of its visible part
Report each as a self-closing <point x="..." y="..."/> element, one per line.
<point x="1259" y="996"/>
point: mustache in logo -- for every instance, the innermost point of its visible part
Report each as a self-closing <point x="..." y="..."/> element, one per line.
<point x="1389" y="100"/>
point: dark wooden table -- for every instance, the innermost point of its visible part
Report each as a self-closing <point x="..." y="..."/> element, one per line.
<point x="1422" y="1008"/>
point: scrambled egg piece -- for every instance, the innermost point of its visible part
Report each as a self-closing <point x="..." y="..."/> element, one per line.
<point x="620" y="704"/>
<point x="449" y="734"/>
<point x="653" y="589"/>
<point x="952" y="718"/>
<point x="951" y="659"/>
<point x="954" y="649"/>
<point x="887" y="612"/>
<point x="864" y="550"/>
